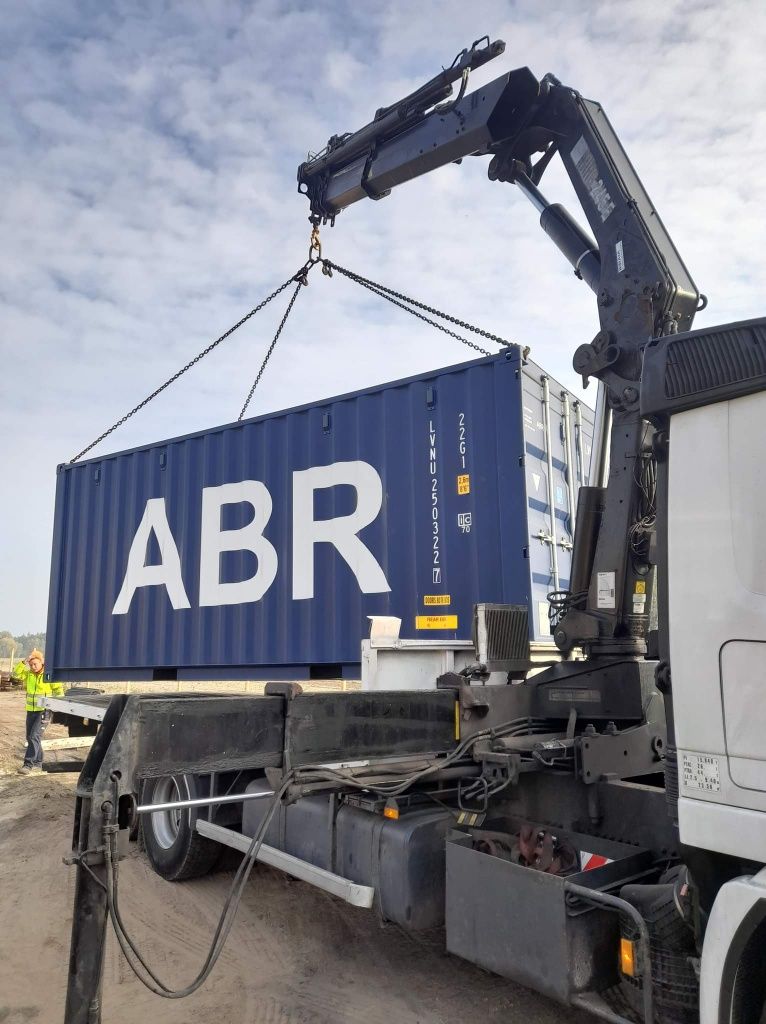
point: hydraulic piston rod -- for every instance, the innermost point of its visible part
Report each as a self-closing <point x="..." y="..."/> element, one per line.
<point x="564" y="231"/>
<point x="204" y="801"/>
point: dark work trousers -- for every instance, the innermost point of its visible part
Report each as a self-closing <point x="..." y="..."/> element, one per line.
<point x="35" y="727"/>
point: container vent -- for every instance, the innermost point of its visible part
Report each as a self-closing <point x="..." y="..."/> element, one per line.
<point x="501" y="636"/>
<point x="699" y="363"/>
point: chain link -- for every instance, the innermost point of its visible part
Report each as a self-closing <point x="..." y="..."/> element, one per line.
<point x="315" y="242"/>
<point x="393" y="296"/>
<point x="193" y="362"/>
<point x="272" y="346"/>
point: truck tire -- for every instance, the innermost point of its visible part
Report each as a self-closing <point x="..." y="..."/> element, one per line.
<point x="749" y="995"/>
<point x="174" y="847"/>
<point x="676" y="989"/>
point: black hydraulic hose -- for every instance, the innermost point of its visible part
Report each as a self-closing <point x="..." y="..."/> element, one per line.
<point x="226" y="920"/>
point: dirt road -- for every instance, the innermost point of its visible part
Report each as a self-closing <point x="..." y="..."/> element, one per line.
<point x="295" y="955"/>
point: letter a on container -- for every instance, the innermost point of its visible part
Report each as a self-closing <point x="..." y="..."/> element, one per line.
<point x="166" y="574"/>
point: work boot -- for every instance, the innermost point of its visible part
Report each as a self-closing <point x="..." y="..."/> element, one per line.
<point x="36" y="769"/>
<point x="26" y="769"/>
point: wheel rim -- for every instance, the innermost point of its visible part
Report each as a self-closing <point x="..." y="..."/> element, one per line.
<point x="167" y="824"/>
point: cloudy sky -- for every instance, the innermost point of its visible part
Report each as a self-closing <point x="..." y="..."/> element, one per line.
<point x="148" y="186"/>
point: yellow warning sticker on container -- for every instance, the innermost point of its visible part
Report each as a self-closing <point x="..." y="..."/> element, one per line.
<point x="464" y="484"/>
<point x="640" y="587"/>
<point x="430" y="599"/>
<point x="436" y="622"/>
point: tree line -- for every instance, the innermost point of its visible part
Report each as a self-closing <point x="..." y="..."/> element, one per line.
<point x="23" y="644"/>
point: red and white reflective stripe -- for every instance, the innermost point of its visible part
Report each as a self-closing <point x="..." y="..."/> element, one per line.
<point x="589" y="861"/>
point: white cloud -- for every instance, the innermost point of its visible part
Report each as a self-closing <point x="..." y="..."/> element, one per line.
<point x="150" y="197"/>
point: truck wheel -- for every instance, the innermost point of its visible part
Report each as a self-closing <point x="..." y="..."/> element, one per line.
<point x="748" y="1003"/>
<point x="174" y="847"/>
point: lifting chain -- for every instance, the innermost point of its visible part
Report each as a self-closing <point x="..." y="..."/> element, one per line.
<point x="300" y="279"/>
<point x="301" y="282"/>
<point x="405" y="302"/>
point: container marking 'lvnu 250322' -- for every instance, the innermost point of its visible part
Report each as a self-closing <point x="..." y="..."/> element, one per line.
<point x="436" y="568"/>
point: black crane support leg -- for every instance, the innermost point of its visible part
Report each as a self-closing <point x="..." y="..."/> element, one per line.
<point x="154" y="735"/>
<point x="86" y="952"/>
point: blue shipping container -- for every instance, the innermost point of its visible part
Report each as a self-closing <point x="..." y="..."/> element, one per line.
<point x="257" y="550"/>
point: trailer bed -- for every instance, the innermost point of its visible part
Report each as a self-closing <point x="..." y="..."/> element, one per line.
<point x="86" y="707"/>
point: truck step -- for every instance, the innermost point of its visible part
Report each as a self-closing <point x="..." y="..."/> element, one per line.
<point x="353" y="893"/>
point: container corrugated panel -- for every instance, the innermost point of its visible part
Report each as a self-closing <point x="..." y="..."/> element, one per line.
<point x="258" y="549"/>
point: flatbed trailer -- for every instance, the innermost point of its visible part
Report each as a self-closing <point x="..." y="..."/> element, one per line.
<point x="82" y="712"/>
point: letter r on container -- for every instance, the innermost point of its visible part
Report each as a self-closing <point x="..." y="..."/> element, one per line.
<point x="341" y="531"/>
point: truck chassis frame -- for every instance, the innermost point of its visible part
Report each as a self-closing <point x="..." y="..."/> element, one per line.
<point x="252" y="738"/>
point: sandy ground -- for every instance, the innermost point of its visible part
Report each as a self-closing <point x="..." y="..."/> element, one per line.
<point x="295" y="955"/>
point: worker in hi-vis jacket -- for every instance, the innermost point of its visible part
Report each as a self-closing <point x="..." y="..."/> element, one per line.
<point x="31" y="674"/>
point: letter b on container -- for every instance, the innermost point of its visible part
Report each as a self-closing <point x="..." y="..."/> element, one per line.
<point x="214" y="541"/>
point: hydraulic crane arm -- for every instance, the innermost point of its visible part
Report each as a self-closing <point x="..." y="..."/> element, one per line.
<point x="643" y="290"/>
<point x="511" y="119"/>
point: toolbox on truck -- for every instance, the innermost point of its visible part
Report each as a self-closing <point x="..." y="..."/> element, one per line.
<point x="522" y="924"/>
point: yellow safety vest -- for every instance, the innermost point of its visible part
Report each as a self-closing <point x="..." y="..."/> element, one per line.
<point x="36" y="687"/>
